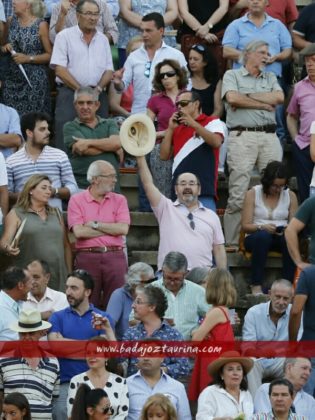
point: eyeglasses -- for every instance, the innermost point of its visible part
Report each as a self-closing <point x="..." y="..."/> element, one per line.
<point x="168" y="74"/>
<point x="90" y="14"/>
<point x="88" y="103"/>
<point x="191" y="221"/>
<point x="147" y="69"/>
<point x="183" y="103"/>
<point x="190" y="183"/>
<point x="278" y="187"/>
<point x="198" y="47"/>
<point x="139" y="302"/>
<point x="148" y="281"/>
<point x="111" y="176"/>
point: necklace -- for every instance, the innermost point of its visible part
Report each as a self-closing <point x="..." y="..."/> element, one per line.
<point x="38" y="211"/>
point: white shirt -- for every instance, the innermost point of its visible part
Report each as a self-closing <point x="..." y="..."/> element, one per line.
<point x="51" y="301"/>
<point x="304" y="403"/>
<point x="216" y="402"/>
<point x="135" y="67"/>
<point x="2" y="15"/>
<point x="85" y="62"/>
<point x="3" y="178"/>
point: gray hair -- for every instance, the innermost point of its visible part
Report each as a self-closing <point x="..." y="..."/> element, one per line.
<point x="197" y="274"/>
<point x="292" y="361"/>
<point x="95" y="169"/>
<point x="86" y="90"/>
<point x="281" y="282"/>
<point x="38" y="8"/>
<point x="135" y="271"/>
<point x="249" y="48"/>
<point x="175" y="262"/>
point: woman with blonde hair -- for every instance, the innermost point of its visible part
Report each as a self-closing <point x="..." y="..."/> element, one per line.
<point x="158" y="406"/>
<point x="43" y="237"/>
<point x="216" y="326"/>
<point x="27" y="43"/>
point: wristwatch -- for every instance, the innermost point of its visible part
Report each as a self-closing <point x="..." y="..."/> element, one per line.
<point x="259" y="227"/>
<point x="99" y="89"/>
<point x="31" y="59"/>
<point x="210" y="26"/>
<point x="95" y="225"/>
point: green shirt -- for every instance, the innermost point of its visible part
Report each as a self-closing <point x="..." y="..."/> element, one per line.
<point x="80" y="164"/>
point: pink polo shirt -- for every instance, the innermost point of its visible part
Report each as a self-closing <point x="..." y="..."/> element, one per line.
<point x="84" y="208"/>
<point x="302" y="105"/>
<point x="177" y="235"/>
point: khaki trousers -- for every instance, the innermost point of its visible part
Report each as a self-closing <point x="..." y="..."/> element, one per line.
<point x="245" y="151"/>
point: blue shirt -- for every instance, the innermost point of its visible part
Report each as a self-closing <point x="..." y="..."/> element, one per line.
<point x="119" y="306"/>
<point x="258" y="326"/>
<point x="139" y="391"/>
<point x="242" y="31"/>
<point x="176" y="366"/>
<point x="77" y="327"/>
<point x="9" y="309"/>
<point x="9" y="124"/>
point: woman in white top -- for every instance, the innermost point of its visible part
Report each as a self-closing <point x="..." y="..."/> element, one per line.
<point x="100" y="376"/>
<point x="267" y="211"/>
<point x="228" y="397"/>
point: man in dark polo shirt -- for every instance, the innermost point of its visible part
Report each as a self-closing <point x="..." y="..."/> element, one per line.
<point x="89" y="137"/>
<point x="194" y="140"/>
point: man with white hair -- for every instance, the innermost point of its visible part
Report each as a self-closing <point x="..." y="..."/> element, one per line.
<point x="89" y="137"/>
<point x="99" y="218"/>
<point x="251" y="96"/>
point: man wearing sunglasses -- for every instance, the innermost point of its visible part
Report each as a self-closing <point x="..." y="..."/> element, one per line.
<point x="194" y="139"/>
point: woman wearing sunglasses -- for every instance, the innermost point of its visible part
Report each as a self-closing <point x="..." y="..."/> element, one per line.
<point x="169" y="80"/>
<point x="102" y="375"/>
<point x="205" y="79"/>
<point x="91" y="404"/>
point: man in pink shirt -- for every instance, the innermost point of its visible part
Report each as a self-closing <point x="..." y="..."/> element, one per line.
<point x="99" y="218"/>
<point x="301" y="114"/>
<point x="185" y="225"/>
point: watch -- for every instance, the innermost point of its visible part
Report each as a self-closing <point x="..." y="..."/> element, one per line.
<point x="259" y="227"/>
<point x="31" y="59"/>
<point x="99" y="89"/>
<point x="210" y="26"/>
<point x="95" y="225"/>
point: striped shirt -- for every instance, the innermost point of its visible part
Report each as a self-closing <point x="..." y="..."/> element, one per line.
<point x="271" y="416"/>
<point x="51" y="162"/>
<point x="38" y="385"/>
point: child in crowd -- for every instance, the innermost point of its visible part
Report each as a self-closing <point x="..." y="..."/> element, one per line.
<point x="158" y="406"/>
<point x="216" y="326"/>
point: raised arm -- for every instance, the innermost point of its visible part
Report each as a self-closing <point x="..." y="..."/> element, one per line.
<point x="153" y="194"/>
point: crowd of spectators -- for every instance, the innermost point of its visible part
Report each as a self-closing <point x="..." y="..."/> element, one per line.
<point x="220" y="83"/>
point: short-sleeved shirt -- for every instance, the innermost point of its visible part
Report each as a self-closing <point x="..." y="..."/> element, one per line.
<point x="241" y="81"/>
<point x="38" y="385"/>
<point x="51" y="161"/>
<point x="242" y="31"/>
<point x="306" y="286"/>
<point x="9" y="124"/>
<point x="86" y="63"/>
<point x="51" y="301"/>
<point x="176" y="233"/>
<point x="2" y="14"/>
<point x="77" y="327"/>
<point x="163" y="107"/>
<point x="119" y="306"/>
<point x="193" y="154"/>
<point x="302" y="105"/>
<point x="304" y="25"/>
<point x="306" y="215"/>
<point x="83" y="208"/>
<point x="136" y="65"/>
<point x="284" y="10"/>
<point x="80" y="164"/>
<point x="9" y="309"/>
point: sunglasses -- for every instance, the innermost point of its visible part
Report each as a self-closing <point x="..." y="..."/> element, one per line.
<point x="107" y="409"/>
<point x="147" y="69"/>
<point x="183" y="103"/>
<point x="191" y="221"/>
<point x="168" y="74"/>
<point x="198" y="47"/>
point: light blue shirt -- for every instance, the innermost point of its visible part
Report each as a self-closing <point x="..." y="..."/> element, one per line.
<point x="304" y="403"/>
<point x="2" y="15"/>
<point x="9" y="124"/>
<point x="139" y="391"/>
<point x="186" y="307"/>
<point x="242" y="31"/>
<point x="9" y="310"/>
<point x="258" y="326"/>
